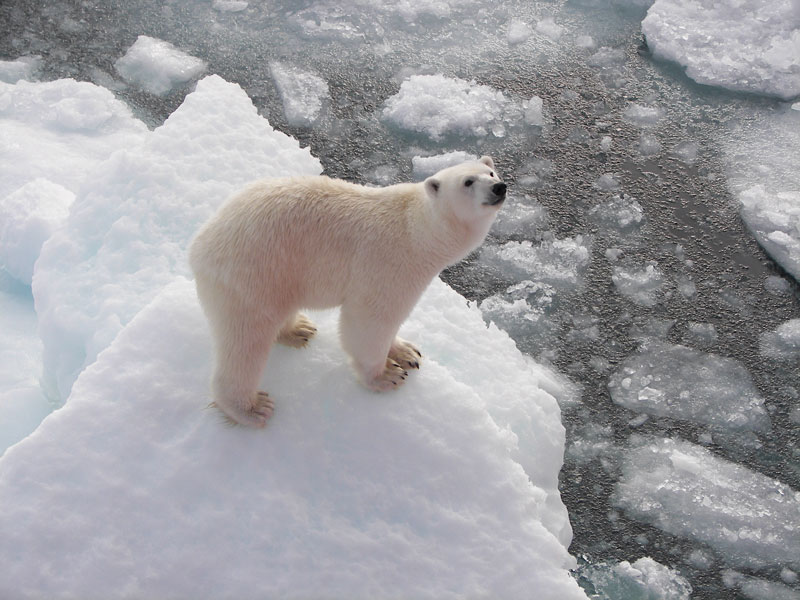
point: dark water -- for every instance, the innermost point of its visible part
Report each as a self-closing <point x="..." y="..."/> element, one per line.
<point x="690" y="213"/>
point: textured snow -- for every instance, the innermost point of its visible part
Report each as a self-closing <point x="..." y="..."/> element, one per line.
<point x="157" y="66"/>
<point x="685" y="490"/>
<point x="681" y="383"/>
<point x="743" y="45"/>
<point x="125" y="236"/>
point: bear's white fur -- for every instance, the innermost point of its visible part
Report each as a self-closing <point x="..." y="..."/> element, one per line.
<point x="282" y="245"/>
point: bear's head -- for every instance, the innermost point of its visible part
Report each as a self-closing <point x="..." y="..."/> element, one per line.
<point x="471" y="192"/>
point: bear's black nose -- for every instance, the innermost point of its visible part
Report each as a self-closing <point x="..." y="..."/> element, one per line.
<point x="499" y="189"/>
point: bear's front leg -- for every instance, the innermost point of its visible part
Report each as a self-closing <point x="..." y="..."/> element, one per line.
<point x="368" y="339"/>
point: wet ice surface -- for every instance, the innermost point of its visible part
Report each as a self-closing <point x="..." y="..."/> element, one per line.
<point x="620" y="232"/>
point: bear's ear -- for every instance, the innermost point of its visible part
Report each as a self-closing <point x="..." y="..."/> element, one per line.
<point x="432" y="185"/>
<point x="487" y="160"/>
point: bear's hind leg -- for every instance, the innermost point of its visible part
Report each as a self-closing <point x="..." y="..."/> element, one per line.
<point x="297" y="331"/>
<point x="241" y="355"/>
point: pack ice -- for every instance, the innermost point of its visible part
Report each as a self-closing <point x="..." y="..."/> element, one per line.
<point x="135" y="488"/>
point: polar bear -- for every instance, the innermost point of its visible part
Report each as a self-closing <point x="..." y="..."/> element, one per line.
<point x="286" y="244"/>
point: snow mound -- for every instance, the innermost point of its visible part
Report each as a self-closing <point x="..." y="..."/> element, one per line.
<point x="743" y="45"/>
<point x="303" y="94"/>
<point x="685" y="490"/>
<point x="157" y="66"/>
<point x="453" y="478"/>
<point x="435" y="105"/>
<point x="130" y="223"/>
<point x="681" y="383"/>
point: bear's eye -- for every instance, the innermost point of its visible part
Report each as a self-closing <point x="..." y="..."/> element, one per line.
<point x="491" y="174"/>
<point x="469" y="182"/>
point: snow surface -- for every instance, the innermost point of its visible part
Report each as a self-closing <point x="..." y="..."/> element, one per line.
<point x="743" y="45"/>
<point x="436" y="106"/>
<point x="684" y="489"/>
<point x="157" y="66"/>
<point x="674" y="381"/>
<point x="446" y="488"/>
<point x="132" y="219"/>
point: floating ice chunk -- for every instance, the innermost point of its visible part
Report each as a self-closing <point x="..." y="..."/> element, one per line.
<point x="622" y="214"/>
<point x="533" y="114"/>
<point x="517" y="31"/>
<point x="777" y="285"/>
<point x="648" y="145"/>
<point x="128" y="228"/>
<point x="606" y="57"/>
<point x="437" y="106"/>
<point x="586" y="42"/>
<point x="607" y="182"/>
<point x="158" y="66"/>
<point x="594" y="440"/>
<point x="303" y="94"/>
<point x="681" y="383"/>
<point x="642" y="115"/>
<point x="605" y="143"/>
<point x="774" y="219"/>
<point x="28" y="217"/>
<point x="425" y="166"/>
<point x="365" y="492"/>
<point x="686" y="287"/>
<point x="549" y="28"/>
<point x="645" y="579"/>
<point x="702" y="333"/>
<point x="640" y="284"/>
<point x="751" y="46"/>
<point x="683" y="489"/>
<point x="686" y="152"/>
<point x="762" y="172"/>
<point x="11" y="71"/>
<point x="758" y="589"/>
<point x="524" y="312"/>
<point x="783" y="343"/>
<point x="560" y="263"/>
<point x="229" y="5"/>
<point x="521" y="218"/>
